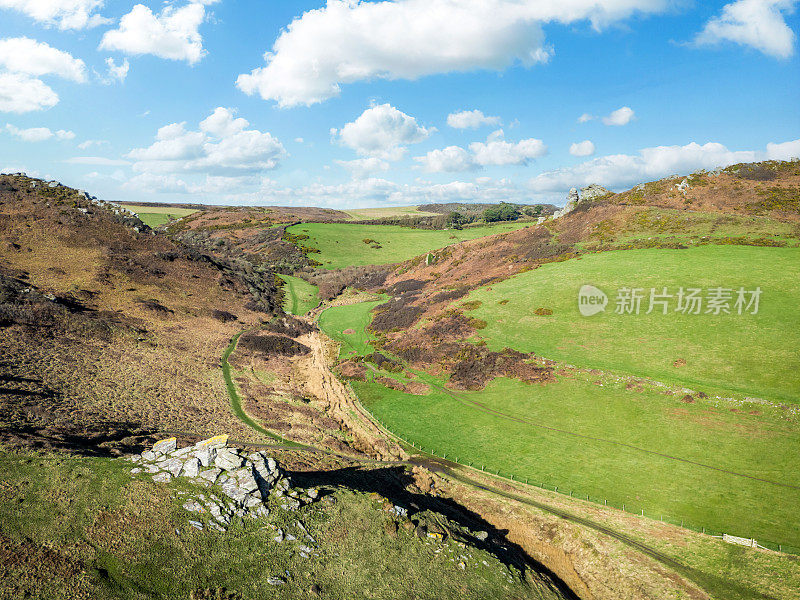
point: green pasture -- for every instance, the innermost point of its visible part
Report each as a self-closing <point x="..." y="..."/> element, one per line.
<point x="158" y="215"/>
<point x="751" y="354"/>
<point x="685" y="462"/>
<point x="348" y="244"/>
<point x="299" y="295"/>
<point x="363" y="214"/>
<point x="335" y="321"/>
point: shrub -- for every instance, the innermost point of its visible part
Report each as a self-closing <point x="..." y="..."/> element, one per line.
<point x="273" y="344"/>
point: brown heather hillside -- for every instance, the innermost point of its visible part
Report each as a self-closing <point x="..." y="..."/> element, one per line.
<point x="106" y="331"/>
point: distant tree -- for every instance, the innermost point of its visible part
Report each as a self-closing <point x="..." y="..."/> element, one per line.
<point x="533" y="211"/>
<point x="502" y="212"/>
<point x="456" y="220"/>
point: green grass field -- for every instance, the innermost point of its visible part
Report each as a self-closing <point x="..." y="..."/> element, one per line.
<point x="755" y="355"/>
<point x="335" y="321"/>
<point x="342" y="244"/>
<point x="158" y="215"/>
<point x="300" y="296"/>
<point x="362" y="214"/>
<point x="642" y="449"/>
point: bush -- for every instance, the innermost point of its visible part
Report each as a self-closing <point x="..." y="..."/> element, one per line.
<point x="503" y="212"/>
<point x="273" y="345"/>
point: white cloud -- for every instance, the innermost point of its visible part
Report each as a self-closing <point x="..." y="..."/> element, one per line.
<point x="351" y="40"/>
<point x="66" y="14"/>
<point x="97" y="160"/>
<point x="29" y="57"/>
<point x="470" y="119"/>
<point x="584" y="148"/>
<point x="586" y="117"/>
<point x="361" y="167"/>
<point x="783" y="151"/>
<point x="756" y="23"/>
<point x="450" y="159"/>
<point x="117" y="72"/>
<point x="620" y="170"/>
<point x="383" y="132"/>
<point x="172" y="34"/>
<point x="621" y="116"/>
<point x="38" y="134"/>
<point x="494" y="152"/>
<point x="299" y="140"/>
<point x="89" y="143"/>
<point x="221" y="146"/>
<point x="21" y="94"/>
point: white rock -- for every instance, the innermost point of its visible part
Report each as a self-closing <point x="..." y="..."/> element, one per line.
<point x="165" y="446"/>
<point x="205" y="456"/>
<point x="162" y="477"/>
<point x="174" y="466"/>
<point x="196" y="525"/>
<point x="148" y="455"/>
<point x="194" y="506"/>
<point x="228" y="460"/>
<point x="211" y="475"/>
<point x="191" y="468"/>
<point x="135" y="471"/>
<point x="251" y="502"/>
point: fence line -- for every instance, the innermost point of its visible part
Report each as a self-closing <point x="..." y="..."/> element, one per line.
<point x="675" y="521"/>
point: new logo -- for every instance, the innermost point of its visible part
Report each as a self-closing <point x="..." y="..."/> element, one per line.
<point x="591" y="300"/>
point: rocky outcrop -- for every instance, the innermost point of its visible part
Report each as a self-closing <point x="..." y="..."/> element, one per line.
<point x="592" y="192"/>
<point x="587" y="194"/>
<point x="240" y="484"/>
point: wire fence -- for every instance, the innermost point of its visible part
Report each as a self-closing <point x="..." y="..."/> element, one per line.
<point x="630" y="508"/>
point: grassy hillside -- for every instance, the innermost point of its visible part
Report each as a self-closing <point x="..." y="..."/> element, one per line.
<point x="361" y="214"/>
<point x="689" y="462"/>
<point x="299" y="295"/>
<point x="749" y="353"/>
<point x="341" y="245"/>
<point x="75" y="528"/>
<point x="158" y="215"/>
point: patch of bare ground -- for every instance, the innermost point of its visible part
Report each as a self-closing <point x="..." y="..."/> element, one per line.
<point x="593" y="565"/>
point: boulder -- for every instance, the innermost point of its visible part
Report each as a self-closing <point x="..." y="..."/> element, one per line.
<point x="191" y="468"/>
<point x="162" y="477"/>
<point x="228" y="460"/>
<point x="165" y="446"/>
<point x="592" y="191"/>
<point x="211" y="475"/>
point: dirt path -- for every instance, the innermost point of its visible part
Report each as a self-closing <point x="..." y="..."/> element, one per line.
<point x="342" y="405"/>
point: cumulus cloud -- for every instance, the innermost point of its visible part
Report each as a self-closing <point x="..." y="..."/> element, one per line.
<point x="494" y="152"/>
<point x="22" y="62"/>
<point x="584" y="148"/>
<point x="620" y="170"/>
<point x="382" y="132"/>
<point x="618" y="118"/>
<point x="783" y="151"/>
<point x="759" y="24"/>
<point x="586" y="117"/>
<point x="173" y="33"/>
<point x="38" y="134"/>
<point x="65" y="14"/>
<point x="470" y="119"/>
<point x="361" y="167"/>
<point x="353" y="40"/>
<point x="497" y="152"/>
<point x="222" y="145"/>
<point x="29" y="57"/>
<point x="21" y="94"/>
<point x="450" y="159"/>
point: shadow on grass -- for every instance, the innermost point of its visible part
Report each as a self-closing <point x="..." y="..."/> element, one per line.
<point x="392" y="483"/>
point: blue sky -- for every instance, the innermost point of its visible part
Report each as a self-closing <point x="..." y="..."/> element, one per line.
<point x="405" y="102"/>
